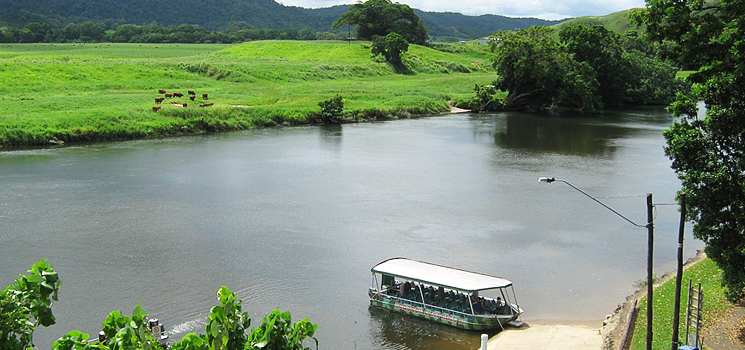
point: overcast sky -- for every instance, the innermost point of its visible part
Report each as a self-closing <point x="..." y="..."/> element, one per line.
<point x="546" y="9"/>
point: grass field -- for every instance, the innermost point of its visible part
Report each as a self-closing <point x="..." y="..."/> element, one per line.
<point x="705" y="272"/>
<point x="97" y="92"/>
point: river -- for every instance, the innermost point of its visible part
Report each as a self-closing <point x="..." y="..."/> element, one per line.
<point x="294" y="218"/>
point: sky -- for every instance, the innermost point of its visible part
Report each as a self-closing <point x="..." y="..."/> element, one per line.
<point x="545" y="9"/>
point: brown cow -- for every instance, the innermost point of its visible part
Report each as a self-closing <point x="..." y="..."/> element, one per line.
<point x="159" y="99"/>
<point x="206" y="104"/>
<point x="178" y="94"/>
<point x="161" y="91"/>
<point x="156" y="108"/>
<point x="169" y="95"/>
<point x="184" y="104"/>
<point x="191" y="92"/>
<point x="192" y="97"/>
<point x="204" y="97"/>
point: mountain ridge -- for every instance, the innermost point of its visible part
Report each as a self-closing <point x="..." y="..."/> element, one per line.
<point x="216" y="14"/>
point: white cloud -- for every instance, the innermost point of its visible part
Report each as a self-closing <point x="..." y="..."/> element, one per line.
<point x="546" y="9"/>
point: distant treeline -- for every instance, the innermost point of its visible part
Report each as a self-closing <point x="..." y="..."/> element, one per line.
<point x="218" y="14"/>
<point x="89" y="31"/>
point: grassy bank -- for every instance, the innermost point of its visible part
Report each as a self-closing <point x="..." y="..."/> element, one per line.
<point x="715" y="304"/>
<point x="97" y="92"/>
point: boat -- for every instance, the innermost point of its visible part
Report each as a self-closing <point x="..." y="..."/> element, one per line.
<point x="444" y="294"/>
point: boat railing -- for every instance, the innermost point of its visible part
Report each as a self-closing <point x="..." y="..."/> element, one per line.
<point x="449" y="300"/>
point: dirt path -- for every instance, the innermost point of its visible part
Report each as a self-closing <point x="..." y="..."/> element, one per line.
<point x="729" y="331"/>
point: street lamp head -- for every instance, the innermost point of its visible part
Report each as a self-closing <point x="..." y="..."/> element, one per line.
<point x="546" y="180"/>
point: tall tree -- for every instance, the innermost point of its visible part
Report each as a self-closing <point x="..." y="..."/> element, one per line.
<point x="602" y="50"/>
<point x="382" y="17"/>
<point x="708" y="153"/>
<point x="539" y="74"/>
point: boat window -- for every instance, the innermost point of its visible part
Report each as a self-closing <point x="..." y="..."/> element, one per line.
<point x="388" y="280"/>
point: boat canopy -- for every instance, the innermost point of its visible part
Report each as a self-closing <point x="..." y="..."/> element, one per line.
<point x="439" y="275"/>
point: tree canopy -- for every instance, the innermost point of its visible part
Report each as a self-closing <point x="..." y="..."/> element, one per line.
<point x="382" y="17"/>
<point x="588" y="69"/>
<point x="538" y="73"/>
<point x="392" y="46"/>
<point x="708" y="152"/>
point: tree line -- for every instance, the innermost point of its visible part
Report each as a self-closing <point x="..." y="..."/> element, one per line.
<point x="584" y="69"/>
<point x="89" y="32"/>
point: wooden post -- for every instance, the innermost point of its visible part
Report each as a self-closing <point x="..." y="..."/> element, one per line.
<point x="676" y="312"/>
<point x="650" y="273"/>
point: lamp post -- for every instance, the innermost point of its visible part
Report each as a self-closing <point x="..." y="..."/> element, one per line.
<point x="650" y="246"/>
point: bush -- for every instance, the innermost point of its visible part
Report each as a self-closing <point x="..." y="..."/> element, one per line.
<point x="331" y="110"/>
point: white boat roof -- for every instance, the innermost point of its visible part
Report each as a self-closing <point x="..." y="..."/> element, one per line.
<point x="439" y="275"/>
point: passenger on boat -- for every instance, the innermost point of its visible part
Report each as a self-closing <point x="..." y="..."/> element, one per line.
<point x="406" y="288"/>
<point x="478" y="307"/>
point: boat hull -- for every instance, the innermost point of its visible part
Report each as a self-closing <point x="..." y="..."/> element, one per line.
<point x="440" y="315"/>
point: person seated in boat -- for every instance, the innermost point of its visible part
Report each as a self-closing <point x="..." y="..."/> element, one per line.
<point x="478" y="306"/>
<point x="394" y="288"/>
<point x="405" y="289"/>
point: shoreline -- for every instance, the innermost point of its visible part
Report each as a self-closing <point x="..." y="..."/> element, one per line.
<point x="615" y="329"/>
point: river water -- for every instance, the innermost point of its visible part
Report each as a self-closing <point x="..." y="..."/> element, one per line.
<point x="294" y="218"/>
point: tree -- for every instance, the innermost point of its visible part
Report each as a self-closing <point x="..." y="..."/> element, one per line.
<point x="708" y="153"/>
<point x="602" y="50"/>
<point x="38" y="31"/>
<point x="382" y="17"/>
<point x="392" y="46"/>
<point x="538" y="74"/>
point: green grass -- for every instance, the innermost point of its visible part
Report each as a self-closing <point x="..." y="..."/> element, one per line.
<point x="96" y="92"/>
<point x="615" y="22"/>
<point x="715" y="304"/>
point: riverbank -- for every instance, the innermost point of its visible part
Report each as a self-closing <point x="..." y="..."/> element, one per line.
<point x="724" y="323"/>
<point x="626" y="328"/>
<point x="100" y="92"/>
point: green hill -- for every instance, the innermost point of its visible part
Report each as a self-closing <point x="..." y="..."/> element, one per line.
<point x="615" y="22"/>
<point x="216" y="14"/>
<point x="96" y="92"/>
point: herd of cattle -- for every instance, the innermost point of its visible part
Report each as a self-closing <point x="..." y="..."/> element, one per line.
<point x="191" y="93"/>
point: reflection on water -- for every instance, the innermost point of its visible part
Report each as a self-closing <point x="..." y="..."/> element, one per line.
<point x="296" y="217"/>
<point x="586" y="136"/>
<point x="398" y="331"/>
<point x="331" y="136"/>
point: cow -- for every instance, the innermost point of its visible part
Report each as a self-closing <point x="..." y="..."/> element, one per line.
<point x="169" y="95"/>
<point x="161" y="91"/>
<point x="191" y="92"/>
<point x="159" y="99"/>
<point x="156" y="108"/>
<point x="192" y="97"/>
<point x="205" y="97"/>
<point x="178" y="94"/>
<point x="184" y="104"/>
<point x="206" y="104"/>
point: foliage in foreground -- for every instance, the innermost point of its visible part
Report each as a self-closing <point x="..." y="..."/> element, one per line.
<point x="27" y="303"/>
<point x="708" y="153"/>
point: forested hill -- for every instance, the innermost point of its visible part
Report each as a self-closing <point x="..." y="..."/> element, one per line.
<point x="216" y="14"/>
